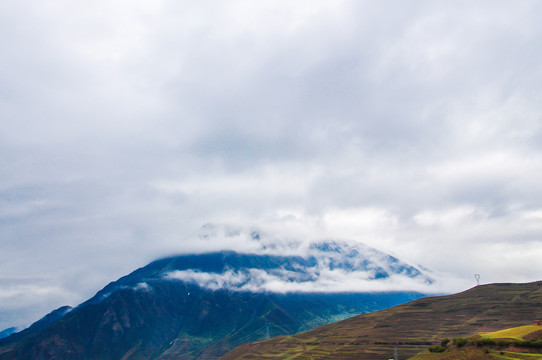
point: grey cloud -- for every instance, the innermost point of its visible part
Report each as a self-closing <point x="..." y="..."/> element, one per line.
<point x="128" y="126"/>
<point x="18" y="299"/>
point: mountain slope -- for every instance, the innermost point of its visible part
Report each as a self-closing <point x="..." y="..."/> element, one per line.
<point x="411" y="327"/>
<point x="7" y="332"/>
<point x="201" y="306"/>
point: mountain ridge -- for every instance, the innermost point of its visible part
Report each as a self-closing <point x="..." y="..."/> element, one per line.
<point x="153" y="313"/>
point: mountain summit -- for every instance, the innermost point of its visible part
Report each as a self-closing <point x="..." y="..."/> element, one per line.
<point x="200" y="306"/>
<point x="327" y="267"/>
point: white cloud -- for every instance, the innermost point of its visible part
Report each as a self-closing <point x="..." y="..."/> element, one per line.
<point x="322" y="280"/>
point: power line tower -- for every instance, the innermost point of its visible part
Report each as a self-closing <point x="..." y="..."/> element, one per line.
<point x="267" y="336"/>
<point x="477" y="277"/>
<point x="395" y="353"/>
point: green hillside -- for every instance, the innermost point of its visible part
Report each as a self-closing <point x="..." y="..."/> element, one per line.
<point x="411" y="328"/>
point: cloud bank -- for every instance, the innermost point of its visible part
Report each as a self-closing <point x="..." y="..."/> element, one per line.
<point x="332" y="267"/>
<point x="412" y="127"/>
<point x="322" y="280"/>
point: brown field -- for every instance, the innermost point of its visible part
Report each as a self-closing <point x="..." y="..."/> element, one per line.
<point x="410" y="327"/>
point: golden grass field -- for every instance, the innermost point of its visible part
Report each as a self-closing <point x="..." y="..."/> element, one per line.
<point x="525" y="332"/>
<point x="518" y="333"/>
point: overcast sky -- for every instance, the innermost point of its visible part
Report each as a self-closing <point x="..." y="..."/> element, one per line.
<point x="125" y="126"/>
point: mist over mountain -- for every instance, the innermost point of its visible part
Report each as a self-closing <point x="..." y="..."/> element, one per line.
<point x="199" y="306"/>
<point x="312" y="265"/>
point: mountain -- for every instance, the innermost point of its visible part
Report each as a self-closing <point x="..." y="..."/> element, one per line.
<point x="7" y="332"/>
<point x="201" y="306"/>
<point x="410" y="327"/>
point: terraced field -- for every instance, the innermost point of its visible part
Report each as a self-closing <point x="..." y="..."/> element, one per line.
<point x="411" y="328"/>
<point x="507" y="345"/>
<point x="477" y="354"/>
